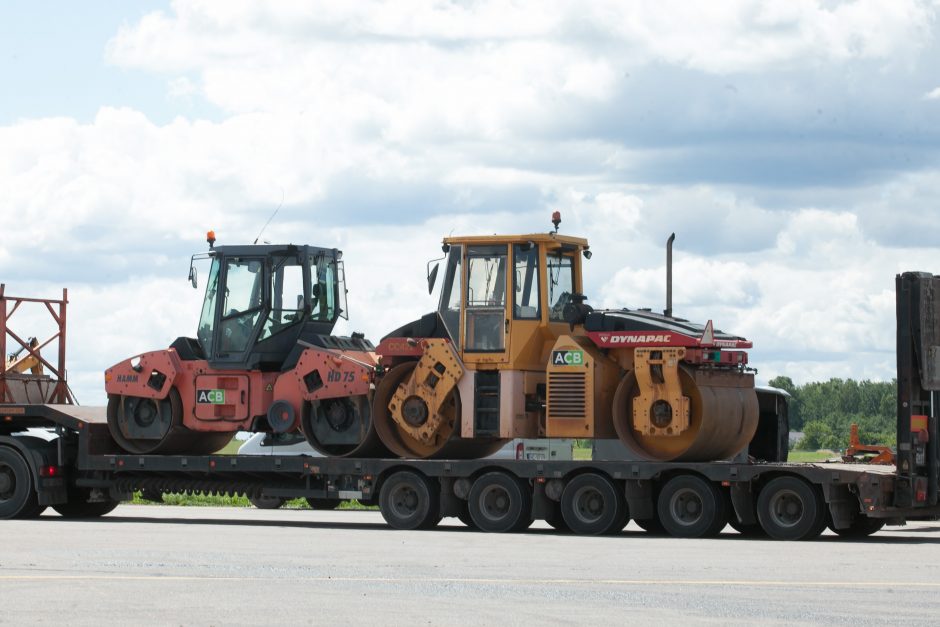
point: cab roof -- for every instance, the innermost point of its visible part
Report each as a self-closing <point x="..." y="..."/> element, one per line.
<point x="552" y="240"/>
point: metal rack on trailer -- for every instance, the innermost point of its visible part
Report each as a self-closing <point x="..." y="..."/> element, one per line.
<point x="64" y="456"/>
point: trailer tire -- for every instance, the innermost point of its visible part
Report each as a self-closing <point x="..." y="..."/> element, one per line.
<point x="267" y="502"/>
<point x="409" y="500"/>
<point x="78" y="506"/>
<point x="323" y="504"/>
<point x="500" y="503"/>
<point x="861" y="527"/>
<point x="33" y="512"/>
<point x="592" y="505"/>
<point x="753" y="530"/>
<point x="651" y="526"/>
<point x="692" y="507"/>
<point x="465" y="518"/>
<point x="556" y="521"/>
<point x="17" y="494"/>
<point x="789" y="508"/>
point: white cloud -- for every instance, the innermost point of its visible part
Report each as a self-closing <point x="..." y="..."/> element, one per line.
<point x="933" y="94"/>
<point x="386" y="126"/>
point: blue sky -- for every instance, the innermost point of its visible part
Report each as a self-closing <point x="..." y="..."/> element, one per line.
<point x="52" y="60"/>
<point x="792" y="146"/>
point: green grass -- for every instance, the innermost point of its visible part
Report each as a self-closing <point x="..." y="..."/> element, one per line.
<point x="811" y="456"/>
<point x="582" y="453"/>
<point x="212" y="500"/>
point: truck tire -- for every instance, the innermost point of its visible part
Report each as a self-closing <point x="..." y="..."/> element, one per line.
<point x="267" y="502"/>
<point x="789" y="508"/>
<point x="861" y="527"/>
<point x="17" y="494"/>
<point x="78" y="506"/>
<point x="409" y="500"/>
<point x="692" y="507"/>
<point x="592" y="505"/>
<point x="465" y="518"/>
<point x="323" y="504"/>
<point x="753" y="530"/>
<point x="500" y="503"/>
<point x="651" y="526"/>
<point x="556" y="521"/>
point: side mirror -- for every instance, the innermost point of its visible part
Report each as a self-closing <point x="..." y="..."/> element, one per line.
<point x="432" y="277"/>
<point x="193" y="277"/>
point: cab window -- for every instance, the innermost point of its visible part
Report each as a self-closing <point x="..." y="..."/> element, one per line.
<point x="525" y="304"/>
<point x="560" y="285"/>
<point x="486" y="298"/>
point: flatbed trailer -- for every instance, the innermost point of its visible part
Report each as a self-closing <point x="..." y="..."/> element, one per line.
<point x="65" y="457"/>
<point x="81" y="469"/>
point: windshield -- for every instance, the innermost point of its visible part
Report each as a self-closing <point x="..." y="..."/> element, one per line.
<point x="207" y="317"/>
<point x="449" y="307"/>
<point x="244" y="296"/>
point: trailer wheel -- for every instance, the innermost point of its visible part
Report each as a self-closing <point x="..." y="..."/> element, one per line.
<point x="556" y="521"/>
<point x="861" y="527"/>
<point x="34" y="511"/>
<point x="17" y="495"/>
<point x="651" y="526"/>
<point x="788" y="508"/>
<point x="323" y="504"/>
<point x="592" y="505"/>
<point x="753" y="530"/>
<point x="409" y="500"/>
<point x="266" y="502"/>
<point x="500" y="503"/>
<point x="78" y="506"/>
<point x="691" y="507"/>
<point x="465" y="518"/>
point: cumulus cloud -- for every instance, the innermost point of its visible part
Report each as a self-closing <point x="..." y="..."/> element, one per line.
<point x="790" y="147"/>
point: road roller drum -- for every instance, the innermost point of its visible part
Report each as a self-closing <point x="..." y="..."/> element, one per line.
<point x="722" y="417"/>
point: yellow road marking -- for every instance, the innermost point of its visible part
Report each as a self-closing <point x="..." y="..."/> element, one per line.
<point x="473" y="580"/>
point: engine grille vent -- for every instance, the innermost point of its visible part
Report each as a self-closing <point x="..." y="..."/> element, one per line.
<point x="566" y="395"/>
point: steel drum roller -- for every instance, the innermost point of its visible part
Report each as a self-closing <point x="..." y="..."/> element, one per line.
<point x="723" y="417"/>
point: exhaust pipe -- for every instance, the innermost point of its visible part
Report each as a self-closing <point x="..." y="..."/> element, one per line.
<point x="668" y="311"/>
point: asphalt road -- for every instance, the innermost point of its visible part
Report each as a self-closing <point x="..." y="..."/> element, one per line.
<point x="223" y="566"/>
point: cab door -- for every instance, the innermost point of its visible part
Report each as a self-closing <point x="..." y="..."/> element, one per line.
<point x="486" y="323"/>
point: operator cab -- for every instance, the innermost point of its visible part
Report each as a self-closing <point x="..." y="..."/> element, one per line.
<point x="260" y="300"/>
<point x="503" y="298"/>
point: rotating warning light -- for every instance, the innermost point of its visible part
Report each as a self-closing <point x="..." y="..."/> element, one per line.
<point x="210" y="237"/>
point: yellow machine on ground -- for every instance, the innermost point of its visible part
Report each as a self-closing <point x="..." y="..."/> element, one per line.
<point x="513" y="352"/>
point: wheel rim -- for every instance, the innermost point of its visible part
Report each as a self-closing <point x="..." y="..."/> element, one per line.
<point x="136" y="414"/>
<point x="404" y="501"/>
<point x="7" y="482"/>
<point x="786" y="508"/>
<point x="686" y="507"/>
<point x="589" y="505"/>
<point x="495" y="502"/>
<point x="144" y="412"/>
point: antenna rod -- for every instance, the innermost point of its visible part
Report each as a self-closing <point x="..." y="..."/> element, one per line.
<point x="669" y="242"/>
<point x="280" y="204"/>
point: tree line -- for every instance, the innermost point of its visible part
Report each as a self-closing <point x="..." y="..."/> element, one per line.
<point x="825" y="410"/>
